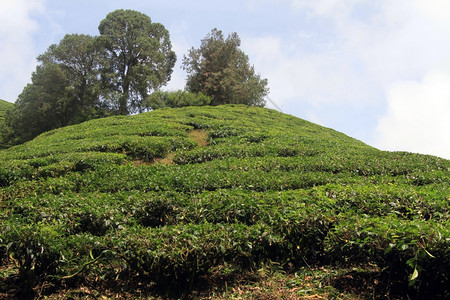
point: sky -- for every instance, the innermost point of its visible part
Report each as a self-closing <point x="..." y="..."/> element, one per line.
<point x="376" y="70"/>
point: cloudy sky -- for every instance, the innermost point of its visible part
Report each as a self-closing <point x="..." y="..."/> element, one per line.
<point x="377" y="70"/>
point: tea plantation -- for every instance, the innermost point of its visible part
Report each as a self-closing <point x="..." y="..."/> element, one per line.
<point x="4" y="105"/>
<point x="218" y="203"/>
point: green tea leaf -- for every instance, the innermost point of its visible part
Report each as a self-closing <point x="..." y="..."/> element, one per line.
<point x="414" y="275"/>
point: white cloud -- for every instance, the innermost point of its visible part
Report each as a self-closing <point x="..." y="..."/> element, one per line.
<point x="180" y="46"/>
<point x="418" y="116"/>
<point x="319" y="78"/>
<point x="436" y="10"/>
<point x="317" y="63"/>
<point x="351" y="53"/>
<point x="335" y="8"/>
<point x="17" y="48"/>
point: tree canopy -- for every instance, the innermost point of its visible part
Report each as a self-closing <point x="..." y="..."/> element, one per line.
<point x="78" y="56"/>
<point x="137" y="58"/>
<point x="42" y="105"/>
<point x="85" y="77"/>
<point x="221" y="70"/>
<point x="121" y="72"/>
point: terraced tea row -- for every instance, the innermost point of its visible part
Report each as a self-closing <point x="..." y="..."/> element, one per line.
<point x="246" y="187"/>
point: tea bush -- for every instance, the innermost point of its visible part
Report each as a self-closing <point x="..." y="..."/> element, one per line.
<point x="137" y="199"/>
<point x="414" y="255"/>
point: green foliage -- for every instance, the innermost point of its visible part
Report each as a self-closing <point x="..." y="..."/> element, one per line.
<point x="5" y="109"/>
<point x="4" y="106"/>
<point x="162" y="99"/>
<point x="137" y="58"/>
<point x="85" y="77"/>
<point x="64" y="91"/>
<point x="45" y="104"/>
<point x="79" y="56"/>
<point x="222" y="71"/>
<point x="94" y="204"/>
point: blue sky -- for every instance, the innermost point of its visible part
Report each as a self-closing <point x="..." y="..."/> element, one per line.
<point x="377" y="70"/>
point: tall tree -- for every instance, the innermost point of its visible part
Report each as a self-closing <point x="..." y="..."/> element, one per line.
<point x="137" y="58"/>
<point x="222" y="71"/>
<point x="78" y="56"/>
<point x="85" y="77"/>
<point x="64" y="90"/>
<point x="43" y="105"/>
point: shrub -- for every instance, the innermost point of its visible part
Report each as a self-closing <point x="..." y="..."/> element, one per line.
<point x="88" y="205"/>
<point x="176" y="99"/>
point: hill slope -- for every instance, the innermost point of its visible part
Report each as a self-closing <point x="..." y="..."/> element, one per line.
<point x="201" y="200"/>
<point x="4" y="105"/>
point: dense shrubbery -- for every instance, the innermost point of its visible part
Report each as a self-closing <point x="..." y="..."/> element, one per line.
<point x="163" y="99"/>
<point x="92" y="204"/>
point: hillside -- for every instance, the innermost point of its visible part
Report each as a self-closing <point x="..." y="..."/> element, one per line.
<point x="220" y="202"/>
<point x="4" y="105"/>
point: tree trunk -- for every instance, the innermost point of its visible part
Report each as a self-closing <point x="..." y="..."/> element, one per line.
<point x="123" y="101"/>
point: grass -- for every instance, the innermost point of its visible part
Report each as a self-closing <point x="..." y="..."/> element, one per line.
<point x="220" y="203"/>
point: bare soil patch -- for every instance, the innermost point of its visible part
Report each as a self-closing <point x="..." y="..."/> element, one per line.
<point x="200" y="136"/>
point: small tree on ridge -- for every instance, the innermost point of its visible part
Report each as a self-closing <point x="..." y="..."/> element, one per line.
<point x="221" y="70"/>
